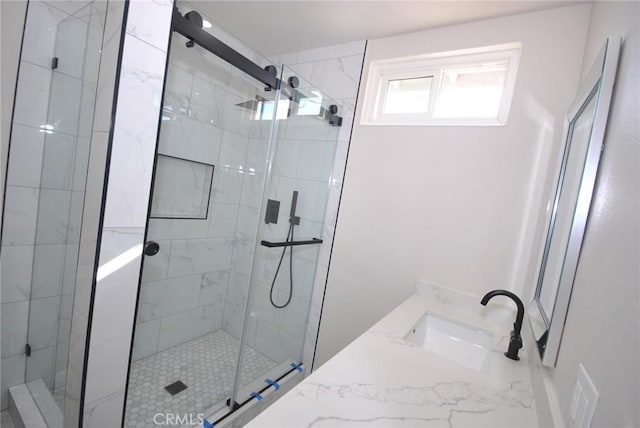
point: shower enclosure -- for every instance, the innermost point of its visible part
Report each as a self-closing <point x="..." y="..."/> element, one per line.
<point x="242" y="173"/>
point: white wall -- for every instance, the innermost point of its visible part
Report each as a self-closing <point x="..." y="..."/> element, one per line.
<point x="601" y="330"/>
<point x="451" y="205"/>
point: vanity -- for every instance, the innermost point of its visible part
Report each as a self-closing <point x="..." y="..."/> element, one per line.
<point x="407" y="371"/>
<point x="438" y="359"/>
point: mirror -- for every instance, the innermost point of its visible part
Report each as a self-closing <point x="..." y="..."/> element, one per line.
<point x="584" y="134"/>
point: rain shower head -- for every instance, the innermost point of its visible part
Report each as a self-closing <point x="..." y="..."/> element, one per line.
<point x="252" y="104"/>
<point x="290" y="92"/>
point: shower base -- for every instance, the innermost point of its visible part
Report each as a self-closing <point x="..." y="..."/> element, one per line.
<point x="206" y="365"/>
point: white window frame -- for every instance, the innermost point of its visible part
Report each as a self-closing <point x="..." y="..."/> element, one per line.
<point x="381" y="72"/>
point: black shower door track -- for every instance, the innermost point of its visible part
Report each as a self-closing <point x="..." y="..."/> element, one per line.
<point x="181" y="25"/>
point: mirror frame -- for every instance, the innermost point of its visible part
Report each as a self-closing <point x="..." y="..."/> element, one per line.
<point x="548" y="328"/>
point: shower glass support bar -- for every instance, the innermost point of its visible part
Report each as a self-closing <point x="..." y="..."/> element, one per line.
<point x="181" y="25"/>
<point x="270" y="244"/>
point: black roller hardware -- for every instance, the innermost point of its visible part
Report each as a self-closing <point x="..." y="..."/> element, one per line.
<point x="293" y="81"/>
<point x="195" y="18"/>
<point x="271" y="69"/>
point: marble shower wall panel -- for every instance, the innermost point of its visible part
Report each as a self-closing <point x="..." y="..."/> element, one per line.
<point x="125" y="212"/>
<point x="185" y="137"/>
<point x="77" y="305"/>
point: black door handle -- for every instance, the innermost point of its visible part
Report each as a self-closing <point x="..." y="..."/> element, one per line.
<point x="151" y="248"/>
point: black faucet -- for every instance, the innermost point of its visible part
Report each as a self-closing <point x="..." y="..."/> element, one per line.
<point x="515" y="343"/>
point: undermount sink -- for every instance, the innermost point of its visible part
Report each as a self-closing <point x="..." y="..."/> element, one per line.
<point x="469" y="346"/>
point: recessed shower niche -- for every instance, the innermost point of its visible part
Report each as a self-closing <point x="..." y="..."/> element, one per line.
<point x="182" y="188"/>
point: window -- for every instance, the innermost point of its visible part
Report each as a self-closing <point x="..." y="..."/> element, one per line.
<point x="472" y="87"/>
<point x="408" y="95"/>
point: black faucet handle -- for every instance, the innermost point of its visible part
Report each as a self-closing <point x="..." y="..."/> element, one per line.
<point x="515" y="344"/>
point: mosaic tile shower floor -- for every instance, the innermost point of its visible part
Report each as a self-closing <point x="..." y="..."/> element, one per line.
<point x="206" y="365"/>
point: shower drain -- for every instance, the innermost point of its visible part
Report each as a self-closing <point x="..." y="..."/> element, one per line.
<point x="175" y="387"/>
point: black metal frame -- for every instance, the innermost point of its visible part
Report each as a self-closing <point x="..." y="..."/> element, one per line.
<point x="202" y="38"/>
<point x="182" y="26"/>
<point x="235" y="405"/>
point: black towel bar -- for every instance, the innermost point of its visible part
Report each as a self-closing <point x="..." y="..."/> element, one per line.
<point x="290" y="243"/>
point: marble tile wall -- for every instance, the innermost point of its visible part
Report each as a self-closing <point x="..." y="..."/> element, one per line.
<point x="125" y="212"/>
<point x="187" y="287"/>
<point x="90" y="223"/>
<point x="47" y="171"/>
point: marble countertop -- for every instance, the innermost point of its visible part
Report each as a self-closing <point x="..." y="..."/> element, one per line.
<point x="381" y="380"/>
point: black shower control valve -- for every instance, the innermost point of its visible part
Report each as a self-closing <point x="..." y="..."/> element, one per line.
<point x="151" y="248"/>
<point x="333" y="109"/>
<point x="272" y="211"/>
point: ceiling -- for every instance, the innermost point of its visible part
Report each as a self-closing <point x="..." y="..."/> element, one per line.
<point x="274" y="27"/>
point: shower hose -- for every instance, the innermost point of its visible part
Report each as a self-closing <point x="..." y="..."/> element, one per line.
<point x="275" y="276"/>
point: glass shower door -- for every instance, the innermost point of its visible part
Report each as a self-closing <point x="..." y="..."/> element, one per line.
<point x="63" y="172"/>
<point x="293" y="211"/>
<point x="209" y="178"/>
